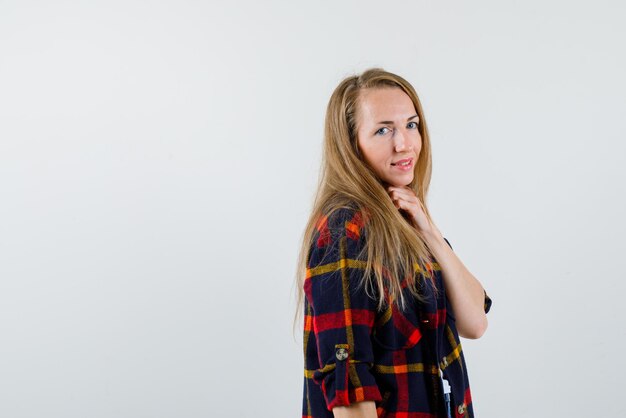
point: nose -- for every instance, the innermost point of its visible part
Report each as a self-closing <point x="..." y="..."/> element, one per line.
<point x="401" y="141"/>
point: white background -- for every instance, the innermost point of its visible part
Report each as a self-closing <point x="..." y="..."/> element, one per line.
<point x="158" y="161"/>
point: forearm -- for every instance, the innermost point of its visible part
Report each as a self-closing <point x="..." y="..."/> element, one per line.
<point x="464" y="291"/>
<point x="365" y="409"/>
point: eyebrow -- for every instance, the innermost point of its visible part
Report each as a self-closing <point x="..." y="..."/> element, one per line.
<point x="388" y="122"/>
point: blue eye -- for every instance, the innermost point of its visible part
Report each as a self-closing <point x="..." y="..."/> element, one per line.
<point x="380" y="131"/>
<point x="414" y="125"/>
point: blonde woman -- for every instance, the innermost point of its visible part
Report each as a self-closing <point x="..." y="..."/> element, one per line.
<point x="384" y="296"/>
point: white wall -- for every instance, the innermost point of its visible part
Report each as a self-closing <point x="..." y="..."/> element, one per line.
<point x="158" y="161"/>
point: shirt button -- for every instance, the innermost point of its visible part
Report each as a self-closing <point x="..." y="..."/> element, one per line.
<point x="461" y="409"/>
<point x="341" y="354"/>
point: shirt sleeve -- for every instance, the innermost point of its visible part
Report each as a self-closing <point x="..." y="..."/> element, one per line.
<point x="487" y="304"/>
<point x="341" y="313"/>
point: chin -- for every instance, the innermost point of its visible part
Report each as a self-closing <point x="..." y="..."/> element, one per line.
<point x="400" y="183"/>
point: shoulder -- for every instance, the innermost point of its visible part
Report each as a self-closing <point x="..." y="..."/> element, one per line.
<point x="342" y="229"/>
<point x="345" y="221"/>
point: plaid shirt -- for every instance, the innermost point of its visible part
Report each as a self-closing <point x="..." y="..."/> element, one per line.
<point x="354" y="352"/>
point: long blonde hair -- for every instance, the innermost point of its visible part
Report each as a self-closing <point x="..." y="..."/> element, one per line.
<point x="346" y="181"/>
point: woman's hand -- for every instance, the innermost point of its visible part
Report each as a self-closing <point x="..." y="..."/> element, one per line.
<point x="464" y="291"/>
<point x="405" y="199"/>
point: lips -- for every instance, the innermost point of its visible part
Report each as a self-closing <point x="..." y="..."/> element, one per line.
<point x="404" y="162"/>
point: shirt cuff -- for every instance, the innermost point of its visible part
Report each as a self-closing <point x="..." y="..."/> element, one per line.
<point x="346" y="381"/>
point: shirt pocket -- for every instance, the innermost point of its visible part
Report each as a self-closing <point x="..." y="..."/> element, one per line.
<point x="396" y="330"/>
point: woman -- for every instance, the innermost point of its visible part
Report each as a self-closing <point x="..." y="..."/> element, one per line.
<point x="384" y="296"/>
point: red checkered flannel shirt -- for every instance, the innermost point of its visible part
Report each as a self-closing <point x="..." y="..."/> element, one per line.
<point x="353" y="352"/>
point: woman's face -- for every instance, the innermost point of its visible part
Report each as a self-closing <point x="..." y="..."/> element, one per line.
<point x="388" y="135"/>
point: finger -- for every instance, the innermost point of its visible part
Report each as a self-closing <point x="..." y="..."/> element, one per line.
<point x="405" y="192"/>
<point x="396" y="201"/>
<point x="409" y="197"/>
<point x="407" y="207"/>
